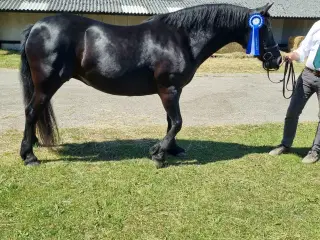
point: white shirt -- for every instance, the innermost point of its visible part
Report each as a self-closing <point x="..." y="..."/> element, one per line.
<point x="309" y="46"/>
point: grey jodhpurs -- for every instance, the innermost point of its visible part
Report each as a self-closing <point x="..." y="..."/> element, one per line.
<point x="307" y="84"/>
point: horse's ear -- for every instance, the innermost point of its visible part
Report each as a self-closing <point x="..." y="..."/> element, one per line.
<point x="264" y="10"/>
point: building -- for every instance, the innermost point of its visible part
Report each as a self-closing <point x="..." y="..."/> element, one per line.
<point x="290" y="17"/>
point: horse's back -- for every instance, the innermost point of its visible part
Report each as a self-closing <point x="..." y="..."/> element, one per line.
<point x="121" y="60"/>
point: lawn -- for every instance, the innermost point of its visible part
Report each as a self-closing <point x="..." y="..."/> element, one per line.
<point x="222" y="63"/>
<point x="100" y="184"/>
<point x="9" y="59"/>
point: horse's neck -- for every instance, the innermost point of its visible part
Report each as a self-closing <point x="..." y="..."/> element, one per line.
<point x="204" y="43"/>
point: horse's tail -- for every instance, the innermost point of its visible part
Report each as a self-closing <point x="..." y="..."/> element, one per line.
<point x="46" y="124"/>
<point x="25" y="73"/>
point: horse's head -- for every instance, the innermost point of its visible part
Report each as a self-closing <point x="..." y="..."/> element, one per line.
<point x="269" y="49"/>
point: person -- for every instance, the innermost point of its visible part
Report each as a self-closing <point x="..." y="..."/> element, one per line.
<point x="308" y="83"/>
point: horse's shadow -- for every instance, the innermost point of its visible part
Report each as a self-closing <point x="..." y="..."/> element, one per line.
<point x="198" y="152"/>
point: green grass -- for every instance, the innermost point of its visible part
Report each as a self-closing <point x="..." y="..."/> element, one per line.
<point x="9" y="59"/>
<point x="223" y="63"/>
<point x="100" y="184"/>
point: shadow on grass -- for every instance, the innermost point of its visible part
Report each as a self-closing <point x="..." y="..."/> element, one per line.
<point x="198" y="152"/>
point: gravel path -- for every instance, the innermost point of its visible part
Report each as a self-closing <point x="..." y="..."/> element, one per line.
<point x="208" y="100"/>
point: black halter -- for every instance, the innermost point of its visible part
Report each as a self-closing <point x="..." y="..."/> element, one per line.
<point x="268" y="55"/>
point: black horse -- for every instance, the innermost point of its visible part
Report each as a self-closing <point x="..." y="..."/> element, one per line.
<point x="159" y="56"/>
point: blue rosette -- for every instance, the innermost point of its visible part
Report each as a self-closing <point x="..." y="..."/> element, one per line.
<point x="255" y="22"/>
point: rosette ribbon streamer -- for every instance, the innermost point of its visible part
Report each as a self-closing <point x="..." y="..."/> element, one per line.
<point x="255" y="22"/>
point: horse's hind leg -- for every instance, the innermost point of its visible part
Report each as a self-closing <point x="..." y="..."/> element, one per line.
<point x="39" y="110"/>
<point x="174" y="149"/>
<point x="34" y="139"/>
<point x="170" y="100"/>
<point x="31" y="113"/>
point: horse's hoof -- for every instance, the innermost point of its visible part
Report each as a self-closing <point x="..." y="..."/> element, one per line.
<point x="159" y="159"/>
<point x="154" y="149"/>
<point x="32" y="162"/>
<point x="159" y="164"/>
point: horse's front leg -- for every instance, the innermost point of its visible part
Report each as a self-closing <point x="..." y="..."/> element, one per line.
<point x="174" y="149"/>
<point x="170" y="100"/>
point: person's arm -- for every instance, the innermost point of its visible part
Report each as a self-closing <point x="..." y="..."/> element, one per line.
<point x="304" y="49"/>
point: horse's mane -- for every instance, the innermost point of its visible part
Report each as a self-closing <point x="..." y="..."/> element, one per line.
<point x="208" y="15"/>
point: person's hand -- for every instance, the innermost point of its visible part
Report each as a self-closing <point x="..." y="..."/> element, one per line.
<point x="293" y="56"/>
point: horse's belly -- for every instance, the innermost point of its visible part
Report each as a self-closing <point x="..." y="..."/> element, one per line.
<point x="126" y="85"/>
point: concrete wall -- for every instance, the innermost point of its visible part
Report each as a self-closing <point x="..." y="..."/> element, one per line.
<point x="12" y="24"/>
<point x="285" y="28"/>
<point x="294" y="27"/>
<point x="277" y="29"/>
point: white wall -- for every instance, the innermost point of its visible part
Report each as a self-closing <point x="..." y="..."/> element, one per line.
<point x="12" y="23"/>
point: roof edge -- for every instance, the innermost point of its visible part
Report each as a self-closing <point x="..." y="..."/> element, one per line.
<point x="131" y="14"/>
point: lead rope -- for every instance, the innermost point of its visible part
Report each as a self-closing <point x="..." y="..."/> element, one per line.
<point x="288" y="69"/>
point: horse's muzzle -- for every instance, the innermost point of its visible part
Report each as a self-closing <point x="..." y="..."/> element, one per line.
<point x="273" y="63"/>
<point x="272" y="58"/>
